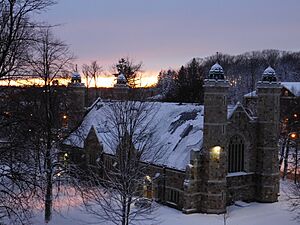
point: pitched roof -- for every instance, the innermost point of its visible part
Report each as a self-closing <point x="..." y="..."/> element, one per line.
<point x="178" y="130"/>
<point x="293" y="87"/>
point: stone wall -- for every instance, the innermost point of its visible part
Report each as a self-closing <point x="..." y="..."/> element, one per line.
<point x="242" y="125"/>
<point x="167" y="183"/>
<point x="240" y="187"/>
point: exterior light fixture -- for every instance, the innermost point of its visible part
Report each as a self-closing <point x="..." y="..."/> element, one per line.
<point x="65" y="117"/>
<point x="147" y="187"/>
<point x="295" y="115"/>
<point x="66" y="156"/>
<point x="293" y="135"/>
<point x="148" y="178"/>
<point x="215" y="152"/>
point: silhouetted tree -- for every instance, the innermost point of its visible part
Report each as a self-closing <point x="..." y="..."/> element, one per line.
<point x="49" y="59"/>
<point x="17" y="29"/>
<point x="129" y="69"/>
<point x="114" y="183"/>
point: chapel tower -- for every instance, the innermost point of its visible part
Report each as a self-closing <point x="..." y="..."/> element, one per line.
<point x="214" y="157"/>
<point x="268" y="109"/>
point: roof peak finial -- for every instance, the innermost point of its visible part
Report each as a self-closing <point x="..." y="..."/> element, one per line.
<point x="217" y="53"/>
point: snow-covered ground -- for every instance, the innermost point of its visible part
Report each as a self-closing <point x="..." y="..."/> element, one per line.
<point x="248" y="214"/>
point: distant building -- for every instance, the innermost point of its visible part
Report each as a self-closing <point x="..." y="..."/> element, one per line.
<point x="289" y="106"/>
<point x="215" y="154"/>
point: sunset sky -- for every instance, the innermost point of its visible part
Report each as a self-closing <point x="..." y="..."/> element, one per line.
<point x="168" y="33"/>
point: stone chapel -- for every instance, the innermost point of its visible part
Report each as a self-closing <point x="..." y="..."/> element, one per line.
<point x="215" y="153"/>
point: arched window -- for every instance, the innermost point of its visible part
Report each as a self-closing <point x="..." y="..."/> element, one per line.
<point x="236" y="154"/>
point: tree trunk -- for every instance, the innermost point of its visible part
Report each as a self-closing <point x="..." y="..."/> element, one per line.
<point x="282" y="153"/>
<point x="286" y="160"/>
<point x="124" y="211"/>
<point x="48" y="166"/>
<point x="128" y="209"/>
<point x="48" y="197"/>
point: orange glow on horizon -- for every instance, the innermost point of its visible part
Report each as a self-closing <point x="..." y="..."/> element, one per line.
<point x="146" y="80"/>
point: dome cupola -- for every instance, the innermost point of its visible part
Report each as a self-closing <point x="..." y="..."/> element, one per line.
<point x="121" y="79"/>
<point x="75" y="78"/>
<point x="269" y="75"/>
<point x="216" y="72"/>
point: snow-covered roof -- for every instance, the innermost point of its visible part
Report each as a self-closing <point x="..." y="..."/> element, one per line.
<point x="269" y="71"/>
<point x="293" y="87"/>
<point x="216" y="68"/>
<point x="269" y="75"/>
<point x="121" y="77"/>
<point x="76" y="75"/>
<point x="232" y="109"/>
<point x="216" y="72"/>
<point x="251" y="94"/>
<point x="178" y="130"/>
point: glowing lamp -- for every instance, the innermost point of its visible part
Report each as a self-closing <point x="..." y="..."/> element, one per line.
<point x="66" y="156"/>
<point x="148" y="178"/>
<point x="215" y="152"/>
<point x="64" y="117"/>
<point x="293" y="135"/>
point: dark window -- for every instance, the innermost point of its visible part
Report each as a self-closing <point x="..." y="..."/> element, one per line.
<point x="172" y="196"/>
<point x="236" y="154"/>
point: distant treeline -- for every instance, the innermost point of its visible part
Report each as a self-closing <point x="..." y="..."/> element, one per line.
<point x="243" y="71"/>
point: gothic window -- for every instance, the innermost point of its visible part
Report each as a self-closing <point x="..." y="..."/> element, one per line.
<point x="236" y="150"/>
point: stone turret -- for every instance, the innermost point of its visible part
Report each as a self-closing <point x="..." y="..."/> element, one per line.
<point x="213" y="168"/>
<point x="76" y="100"/>
<point x="268" y="109"/>
<point x="76" y="80"/>
<point x="205" y="183"/>
<point x="121" y="88"/>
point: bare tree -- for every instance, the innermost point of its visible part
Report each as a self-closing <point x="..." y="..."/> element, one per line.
<point x="16" y="30"/>
<point x="292" y="194"/>
<point x="92" y="71"/>
<point x="17" y="165"/>
<point x="17" y="173"/>
<point x="113" y="183"/>
<point x="48" y="60"/>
